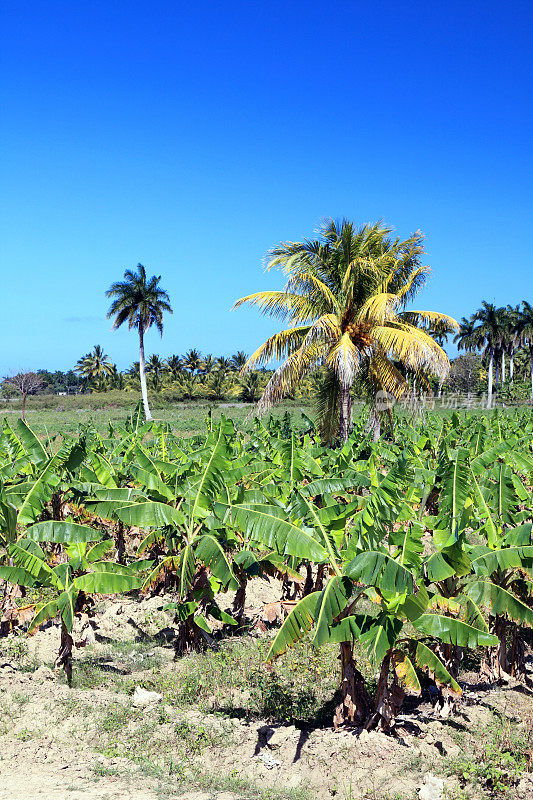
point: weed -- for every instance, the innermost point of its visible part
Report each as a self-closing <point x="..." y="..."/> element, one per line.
<point x="495" y="757"/>
<point x="25" y="734"/>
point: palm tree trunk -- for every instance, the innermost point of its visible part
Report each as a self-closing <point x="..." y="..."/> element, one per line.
<point x="142" y="374"/>
<point x="503" y="366"/>
<point x="376" y="426"/>
<point x="511" y="366"/>
<point x="346" y="419"/>
<point x="531" y="367"/>
<point x="489" y="379"/>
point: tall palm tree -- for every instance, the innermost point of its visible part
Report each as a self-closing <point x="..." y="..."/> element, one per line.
<point x="344" y="300"/>
<point x="142" y="303"/>
<point x="526" y="334"/>
<point x="513" y="338"/>
<point x="489" y="335"/>
<point x="95" y="366"/>
<point x="192" y="361"/>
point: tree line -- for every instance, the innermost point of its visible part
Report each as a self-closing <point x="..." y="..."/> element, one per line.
<point x="504" y="336"/>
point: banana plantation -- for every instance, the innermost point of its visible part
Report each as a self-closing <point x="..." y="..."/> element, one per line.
<point x="417" y="550"/>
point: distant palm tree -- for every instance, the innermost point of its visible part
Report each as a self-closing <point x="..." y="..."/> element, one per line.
<point x="249" y="387"/>
<point x="467" y="337"/>
<point x="440" y="334"/>
<point x="489" y="335"/>
<point x="208" y="364"/>
<point x="238" y="360"/>
<point x="192" y="361"/>
<point x="134" y="371"/>
<point x="155" y="368"/>
<point x="174" y="366"/>
<point x="116" y="379"/>
<point x="141" y="303"/>
<point x="217" y="385"/>
<point x="187" y="384"/>
<point x="513" y="336"/>
<point x="95" y="366"/>
<point x="526" y="334"/>
<point x="223" y="364"/>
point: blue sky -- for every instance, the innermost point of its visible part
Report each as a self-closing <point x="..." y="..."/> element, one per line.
<point x="194" y="136"/>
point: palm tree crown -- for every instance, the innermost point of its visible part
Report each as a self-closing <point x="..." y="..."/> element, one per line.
<point x="141" y="303"/>
<point x="138" y="301"/>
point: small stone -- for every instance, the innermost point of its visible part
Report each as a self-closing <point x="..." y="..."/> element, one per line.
<point x="432" y="789"/>
<point x="143" y="698"/>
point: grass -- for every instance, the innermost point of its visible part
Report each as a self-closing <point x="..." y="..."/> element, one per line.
<point x="67" y="414"/>
<point x="235" y="680"/>
<point x="112" y="666"/>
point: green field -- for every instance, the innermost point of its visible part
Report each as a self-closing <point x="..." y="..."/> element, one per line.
<point x="186" y="419"/>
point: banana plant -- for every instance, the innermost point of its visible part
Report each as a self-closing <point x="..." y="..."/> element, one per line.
<point x="70" y="583"/>
<point x="195" y="558"/>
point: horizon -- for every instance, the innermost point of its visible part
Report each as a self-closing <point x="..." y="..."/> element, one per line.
<point x="192" y="140"/>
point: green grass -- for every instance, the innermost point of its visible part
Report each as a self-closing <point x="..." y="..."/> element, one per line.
<point x="67" y="414"/>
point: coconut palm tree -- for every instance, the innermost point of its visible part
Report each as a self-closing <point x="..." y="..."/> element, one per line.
<point x="526" y="334"/>
<point x="192" y="361"/>
<point x="238" y="360"/>
<point x="116" y="379"/>
<point x="142" y="303"/>
<point x="223" y="364"/>
<point x="95" y="366"/>
<point x="249" y="387"/>
<point x="344" y="300"/>
<point x="174" y="366"/>
<point x="208" y="364"/>
<point x="217" y="385"/>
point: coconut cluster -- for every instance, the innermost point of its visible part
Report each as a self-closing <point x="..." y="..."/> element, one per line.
<point x="358" y="335"/>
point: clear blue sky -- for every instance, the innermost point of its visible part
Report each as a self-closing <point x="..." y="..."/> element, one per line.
<point x="194" y="136"/>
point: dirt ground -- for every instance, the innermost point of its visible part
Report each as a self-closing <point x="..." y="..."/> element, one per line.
<point x="97" y="741"/>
